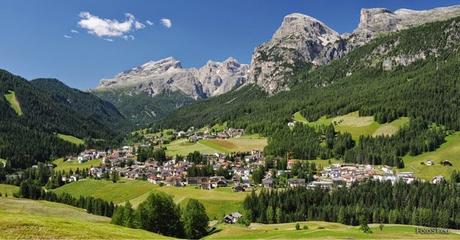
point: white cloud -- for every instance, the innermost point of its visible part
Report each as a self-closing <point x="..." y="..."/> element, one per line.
<point x="128" y="37"/>
<point x="108" y="39"/>
<point x="166" y="22"/>
<point x="74" y="31"/>
<point x="67" y="36"/>
<point x="103" y="27"/>
<point x="150" y="23"/>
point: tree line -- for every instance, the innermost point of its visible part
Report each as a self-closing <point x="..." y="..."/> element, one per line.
<point x="419" y="203"/>
<point x="96" y="206"/>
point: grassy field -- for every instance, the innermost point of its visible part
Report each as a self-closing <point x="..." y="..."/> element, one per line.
<point x="62" y="165"/>
<point x="450" y="150"/>
<point x="27" y="219"/>
<point x="356" y="125"/>
<point x="8" y="189"/>
<point x="14" y="103"/>
<point x="71" y="139"/>
<point x="217" y="201"/>
<point x="241" y="144"/>
<point x="321" y="230"/>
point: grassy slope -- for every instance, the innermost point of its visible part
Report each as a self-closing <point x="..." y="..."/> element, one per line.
<point x="241" y="144"/>
<point x="8" y="189"/>
<point x="62" y="165"/>
<point x="71" y="139"/>
<point x="448" y="151"/>
<point x="217" y="201"/>
<point x="356" y="125"/>
<point x="330" y="231"/>
<point x="14" y="103"/>
<point x="20" y="218"/>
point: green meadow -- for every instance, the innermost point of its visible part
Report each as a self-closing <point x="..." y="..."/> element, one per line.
<point x="322" y="230"/>
<point x="217" y="202"/>
<point x="62" y="165"/>
<point x="210" y="146"/>
<point x="28" y="219"/>
<point x="6" y="189"/>
<point x="71" y="139"/>
<point x="450" y="150"/>
<point x="14" y="103"/>
<point x="356" y="125"/>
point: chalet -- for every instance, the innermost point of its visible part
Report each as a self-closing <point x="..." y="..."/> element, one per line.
<point x="446" y="163"/>
<point x="267" y="183"/>
<point x="239" y="188"/>
<point x="437" y="179"/>
<point x="296" y="182"/>
<point x="320" y="184"/>
<point x="232" y="218"/>
<point x="407" y="177"/>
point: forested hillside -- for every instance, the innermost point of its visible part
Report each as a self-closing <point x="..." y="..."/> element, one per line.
<point x="140" y="108"/>
<point x="30" y="137"/>
<point x="82" y="102"/>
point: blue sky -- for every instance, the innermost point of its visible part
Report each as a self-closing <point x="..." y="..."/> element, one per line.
<point x="33" y="42"/>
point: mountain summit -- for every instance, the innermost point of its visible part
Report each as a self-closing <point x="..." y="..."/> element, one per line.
<point x="299" y="39"/>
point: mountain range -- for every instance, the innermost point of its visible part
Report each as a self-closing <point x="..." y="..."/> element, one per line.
<point x="394" y="64"/>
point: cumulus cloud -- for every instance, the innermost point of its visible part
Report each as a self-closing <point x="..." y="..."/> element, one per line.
<point x="150" y="23"/>
<point x="67" y="36"/>
<point x="74" y="31"/>
<point x="166" y="22"/>
<point x="109" y="28"/>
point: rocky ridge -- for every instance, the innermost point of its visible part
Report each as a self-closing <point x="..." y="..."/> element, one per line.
<point x="168" y="75"/>
<point x="302" y="40"/>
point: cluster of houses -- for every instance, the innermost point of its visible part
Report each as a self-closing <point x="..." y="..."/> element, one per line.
<point x="225" y="134"/>
<point x="194" y="135"/>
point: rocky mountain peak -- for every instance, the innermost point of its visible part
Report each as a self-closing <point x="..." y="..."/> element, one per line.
<point x="302" y="40"/>
<point x="299" y="39"/>
<point x="155" y="77"/>
<point x="298" y="25"/>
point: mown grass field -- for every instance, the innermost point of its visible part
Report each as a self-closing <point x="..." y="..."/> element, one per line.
<point x="8" y="190"/>
<point x="66" y="166"/>
<point x="321" y="230"/>
<point x="356" y="125"/>
<point x="71" y="139"/>
<point x="241" y="144"/>
<point x="28" y="219"/>
<point x="14" y="103"/>
<point x="450" y="150"/>
<point x="217" y="202"/>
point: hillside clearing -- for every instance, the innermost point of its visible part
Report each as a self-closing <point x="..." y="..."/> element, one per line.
<point x="356" y="125"/>
<point x="217" y="201"/>
<point x="211" y="146"/>
<point x="71" y="139"/>
<point x="23" y="219"/>
<point x="450" y="150"/>
<point x="14" y="103"/>
<point x="62" y="165"/>
<point x="320" y="230"/>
